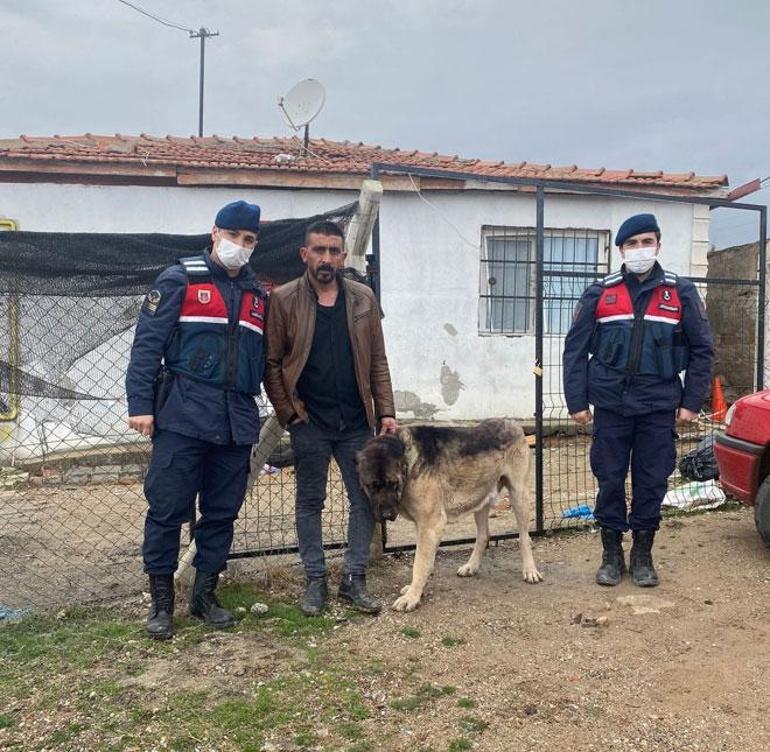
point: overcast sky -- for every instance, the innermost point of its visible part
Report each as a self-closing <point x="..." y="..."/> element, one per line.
<point x="676" y="85"/>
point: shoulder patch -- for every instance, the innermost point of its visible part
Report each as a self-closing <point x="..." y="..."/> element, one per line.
<point x="151" y="301"/>
<point x="670" y="278"/>
<point x="611" y="280"/>
<point x="194" y="266"/>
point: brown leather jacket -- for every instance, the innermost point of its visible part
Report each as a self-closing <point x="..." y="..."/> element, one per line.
<point x="290" y="328"/>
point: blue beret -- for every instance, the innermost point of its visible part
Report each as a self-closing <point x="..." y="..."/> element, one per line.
<point x="239" y="215"/>
<point x="635" y="225"/>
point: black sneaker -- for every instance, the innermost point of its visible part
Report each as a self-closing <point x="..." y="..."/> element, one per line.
<point x="353" y="591"/>
<point x="313" y="600"/>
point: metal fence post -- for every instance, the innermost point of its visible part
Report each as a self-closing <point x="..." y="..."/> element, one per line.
<point x="761" y="297"/>
<point x="539" y="257"/>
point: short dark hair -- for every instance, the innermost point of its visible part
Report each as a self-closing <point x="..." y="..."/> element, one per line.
<point x="324" y="227"/>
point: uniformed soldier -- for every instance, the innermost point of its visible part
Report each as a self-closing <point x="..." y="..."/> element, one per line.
<point x="196" y="366"/>
<point x="642" y="326"/>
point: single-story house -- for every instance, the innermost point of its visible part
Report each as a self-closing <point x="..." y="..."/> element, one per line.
<point x="456" y="255"/>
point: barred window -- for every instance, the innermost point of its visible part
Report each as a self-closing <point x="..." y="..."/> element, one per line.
<point x="572" y="259"/>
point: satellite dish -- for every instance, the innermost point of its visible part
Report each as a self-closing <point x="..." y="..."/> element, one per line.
<point x="302" y="103"/>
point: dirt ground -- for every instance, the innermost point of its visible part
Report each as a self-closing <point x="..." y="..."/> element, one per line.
<point x="563" y="665"/>
<point x="680" y="667"/>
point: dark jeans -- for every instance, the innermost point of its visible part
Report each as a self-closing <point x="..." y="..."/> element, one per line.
<point x="646" y="442"/>
<point x="181" y="468"/>
<point x="313" y="449"/>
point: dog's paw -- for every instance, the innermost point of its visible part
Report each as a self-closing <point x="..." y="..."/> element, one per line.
<point x="531" y="575"/>
<point x="467" y="570"/>
<point x="407" y="602"/>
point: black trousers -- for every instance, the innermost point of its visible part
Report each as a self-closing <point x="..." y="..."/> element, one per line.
<point x="646" y="443"/>
<point x="181" y="468"/>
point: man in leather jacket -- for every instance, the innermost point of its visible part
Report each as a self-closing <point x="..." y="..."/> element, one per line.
<point x="327" y="377"/>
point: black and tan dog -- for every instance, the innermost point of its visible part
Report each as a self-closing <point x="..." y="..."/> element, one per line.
<point x="433" y="473"/>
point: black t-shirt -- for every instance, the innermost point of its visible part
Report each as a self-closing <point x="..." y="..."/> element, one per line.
<point x="327" y="384"/>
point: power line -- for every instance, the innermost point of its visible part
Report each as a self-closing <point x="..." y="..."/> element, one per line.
<point x="163" y="21"/>
<point x="202" y="34"/>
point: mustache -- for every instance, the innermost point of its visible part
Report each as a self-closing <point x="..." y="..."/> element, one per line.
<point x="325" y="268"/>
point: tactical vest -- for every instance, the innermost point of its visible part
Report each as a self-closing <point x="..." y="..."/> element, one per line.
<point x="648" y="343"/>
<point x="206" y="345"/>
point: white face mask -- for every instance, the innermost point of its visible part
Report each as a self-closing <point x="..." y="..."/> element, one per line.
<point x="639" y="260"/>
<point x="232" y="255"/>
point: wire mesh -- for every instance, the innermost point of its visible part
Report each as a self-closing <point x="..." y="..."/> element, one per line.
<point x="72" y="505"/>
<point x="71" y="498"/>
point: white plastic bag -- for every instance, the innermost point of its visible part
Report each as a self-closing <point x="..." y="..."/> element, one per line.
<point x="697" y="495"/>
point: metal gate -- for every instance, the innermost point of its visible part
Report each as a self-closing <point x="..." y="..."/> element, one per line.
<point x="563" y="483"/>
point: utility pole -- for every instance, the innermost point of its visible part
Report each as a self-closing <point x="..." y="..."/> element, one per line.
<point x="203" y="35"/>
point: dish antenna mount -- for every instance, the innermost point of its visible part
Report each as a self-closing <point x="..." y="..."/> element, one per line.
<point x="301" y="105"/>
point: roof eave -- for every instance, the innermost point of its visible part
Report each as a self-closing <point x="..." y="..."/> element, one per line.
<point x="40" y="169"/>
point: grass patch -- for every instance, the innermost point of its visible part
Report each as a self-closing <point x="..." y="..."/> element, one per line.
<point x="305" y="739"/>
<point x="432" y="691"/>
<point x="425" y="693"/>
<point x="68" y="733"/>
<point x="466" y="702"/>
<point x="407" y="703"/>
<point x="450" y="642"/>
<point x="411" y="632"/>
<point x="351" y="731"/>
<point x="376" y="668"/>
<point x="472" y="725"/>
<point x="85" y="663"/>
<point x="74" y="642"/>
<point x="282" y="619"/>
<point x="460" y="745"/>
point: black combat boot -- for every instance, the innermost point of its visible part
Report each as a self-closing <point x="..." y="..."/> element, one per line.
<point x="642" y="569"/>
<point x="353" y="591"/>
<point x="204" y="603"/>
<point x="313" y="599"/>
<point x="613" y="563"/>
<point x="160" y="620"/>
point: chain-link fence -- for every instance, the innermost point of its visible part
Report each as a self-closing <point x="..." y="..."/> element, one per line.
<point x="71" y="495"/>
<point x="71" y="473"/>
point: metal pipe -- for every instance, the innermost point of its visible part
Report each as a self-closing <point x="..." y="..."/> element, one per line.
<point x="762" y="297"/>
<point x="202" y="33"/>
<point x="560" y="185"/>
<point x="376" y="245"/>
<point x="539" y="257"/>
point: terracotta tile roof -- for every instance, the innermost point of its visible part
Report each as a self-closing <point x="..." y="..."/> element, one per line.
<point x="325" y="157"/>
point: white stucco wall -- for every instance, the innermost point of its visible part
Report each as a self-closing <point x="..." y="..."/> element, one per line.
<point x="430" y="282"/>
<point x="50" y="207"/>
<point x="430" y="276"/>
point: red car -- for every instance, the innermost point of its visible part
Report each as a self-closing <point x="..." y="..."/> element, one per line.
<point x="743" y="456"/>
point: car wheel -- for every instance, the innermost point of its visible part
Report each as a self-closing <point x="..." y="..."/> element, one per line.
<point x="762" y="511"/>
